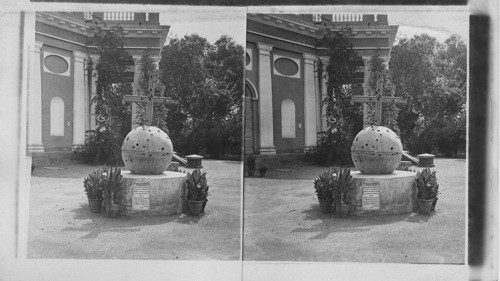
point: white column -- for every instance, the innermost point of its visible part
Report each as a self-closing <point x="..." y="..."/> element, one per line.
<point x="309" y="102"/>
<point x="266" y="139"/>
<point x="79" y="100"/>
<point x="35" y="100"/>
<point x="135" y="88"/>
<point x="93" y="90"/>
<point x="324" y="125"/>
<point x="317" y="93"/>
<point x="366" y="88"/>
<point x="86" y="95"/>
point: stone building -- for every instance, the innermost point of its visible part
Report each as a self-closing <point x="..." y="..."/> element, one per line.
<point x="61" y="86"/>
<point x="283" y="90"/>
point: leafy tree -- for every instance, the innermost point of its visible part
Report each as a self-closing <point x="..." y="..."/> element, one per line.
<point x="103" y="145"/>
<point x="432" y="78"/>
<point x="207" y="80"/>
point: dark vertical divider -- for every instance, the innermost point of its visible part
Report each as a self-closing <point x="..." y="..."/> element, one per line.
<point x="479" y="57"/>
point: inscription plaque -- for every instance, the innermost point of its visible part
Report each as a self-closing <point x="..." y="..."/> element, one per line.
<point x="371" y="196"/>
<point x="140" y="196"/>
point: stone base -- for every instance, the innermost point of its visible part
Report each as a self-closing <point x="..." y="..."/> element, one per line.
<point x="35" y="148"/>
<point x="77" y="147"/>
<point x="404" y="166"/>
<point x="162" y="194"/>
<point x="194" y="161"/>
<point x="396" y="194"/>
<point x="266" y="150"/>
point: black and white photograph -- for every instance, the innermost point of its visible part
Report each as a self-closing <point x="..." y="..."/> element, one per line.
<point x="355" y="127"/>
<point x="242" y="142"/>
<point x="134" y="125"/>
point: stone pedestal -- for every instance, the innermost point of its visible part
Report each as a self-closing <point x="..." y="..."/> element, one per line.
<point x="404" y="165"/>
<point x="194" y="161"/>
<point x="174" y="166"/>
<point x="387" y="194"/>
<point x="162" y="194"/>
<point x="426" y="160"/>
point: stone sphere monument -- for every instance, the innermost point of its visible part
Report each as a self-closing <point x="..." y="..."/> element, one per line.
<point x="376" y="150"/>
<point x="378" y="188"/>
<point x="147" y="152"/>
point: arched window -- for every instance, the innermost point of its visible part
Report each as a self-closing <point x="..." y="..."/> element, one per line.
<point x="56" y="116"/>
<point x="287" y="119"/>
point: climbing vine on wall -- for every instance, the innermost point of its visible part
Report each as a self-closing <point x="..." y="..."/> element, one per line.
<point x="342" y="117"/>
<point x="112" y="116"/>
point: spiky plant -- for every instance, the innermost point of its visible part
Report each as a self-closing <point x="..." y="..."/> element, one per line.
<point x="323" y="185"/>
<point x="196" y="184"/>
<point x="426" y="183"/>
<point x="342" y="185"/>
<point x="113" y="185"/>
<point x="94" y="184"/>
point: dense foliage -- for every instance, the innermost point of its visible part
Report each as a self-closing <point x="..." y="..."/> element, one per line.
<point x="102" y="145"/>
<point x="344" y="120"/>
<point x="207" y="80"/>
<point x="432" y="77"/>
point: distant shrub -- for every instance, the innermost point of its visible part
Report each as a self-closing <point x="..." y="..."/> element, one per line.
<point x="102" y="147"/>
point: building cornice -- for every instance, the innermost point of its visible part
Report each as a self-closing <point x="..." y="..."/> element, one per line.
<point x="90" y="46"/>
<point x="53" y="19"/>
<point x="358" y="31"/>
<point x="311" y="46"/>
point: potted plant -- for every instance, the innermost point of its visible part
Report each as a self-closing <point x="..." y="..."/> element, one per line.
<point x="262" y="171"/>
<point x="93" y="185"/>
<point x="251" y="164"/>
<point x="323" y="186"/>
<point x="342" y="186"/>
<point x="197" y="192"/>
<point x="112" y="191"/>
<point x="427" y="190"/>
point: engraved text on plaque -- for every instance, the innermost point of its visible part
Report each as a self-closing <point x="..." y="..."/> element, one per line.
<point x="371" y="196"/>
<point x="140" y="196"/>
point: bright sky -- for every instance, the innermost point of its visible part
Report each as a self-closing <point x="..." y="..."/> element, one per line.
<point x="215" y="22"/>
<point x="211" y="25"/>
<point x="437" y="24"/>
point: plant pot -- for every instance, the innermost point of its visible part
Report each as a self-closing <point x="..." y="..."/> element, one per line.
<point x="112" y="210"/>
<point x="434" y="204"/>
<point x="202" y="210"/>
<point x="95" y="205"/>
<point x="342" y="211"/>
<point x="425" y="205"/>
<point x="325" y="205"/>
<point x="262" y="172"/>
<point x="194" y="207"/>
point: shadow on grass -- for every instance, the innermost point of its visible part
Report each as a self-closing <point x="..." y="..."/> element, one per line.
<point x="100" y="223"/>
<point x="331" y="224"/>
